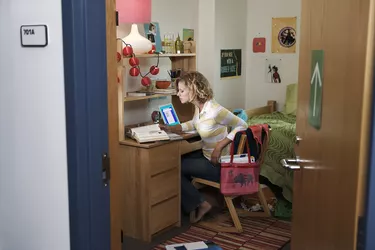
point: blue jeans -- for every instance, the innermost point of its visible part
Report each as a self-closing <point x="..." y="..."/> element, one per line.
<point x="195" y="165"/>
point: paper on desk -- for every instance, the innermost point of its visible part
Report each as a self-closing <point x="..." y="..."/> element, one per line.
<point x="173" y="136"/>
<point x="190" y="132"/>
<point x="188" y="246"/>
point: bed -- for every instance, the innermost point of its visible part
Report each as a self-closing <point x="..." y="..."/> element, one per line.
<point x="281" y="144"/>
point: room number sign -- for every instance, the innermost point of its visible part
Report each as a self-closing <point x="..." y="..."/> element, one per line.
<point x="34" y="35"/>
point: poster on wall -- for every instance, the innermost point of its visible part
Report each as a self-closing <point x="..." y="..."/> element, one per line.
<point x="284" y="35"/>
<point x="273" y="70"/>
<point x="259" y="45"/>
<point x="152" y="32"/>
<point x="230" y="63"/>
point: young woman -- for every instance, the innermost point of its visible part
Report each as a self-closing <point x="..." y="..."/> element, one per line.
<point x="211" y="121"/>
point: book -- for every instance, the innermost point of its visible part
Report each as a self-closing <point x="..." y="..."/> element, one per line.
<point x="165" y="91"/>
<point x="148" y="133"/>
<point x="140" y="93"/>
<point x="199" y="245"/>
<point x="240" y="158"/>
<point x="188" y="35"/>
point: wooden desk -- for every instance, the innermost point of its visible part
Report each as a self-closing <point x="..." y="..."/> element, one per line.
<point x="150" y="174"/>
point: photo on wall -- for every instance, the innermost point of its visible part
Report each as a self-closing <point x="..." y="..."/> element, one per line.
<point x="273" y="73"/>
<point x="152" y="32"/>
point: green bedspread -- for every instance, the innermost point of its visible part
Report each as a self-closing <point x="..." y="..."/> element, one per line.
<point x="281" y="145"/>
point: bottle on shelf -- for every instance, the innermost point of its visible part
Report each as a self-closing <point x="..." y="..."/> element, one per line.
<point x="178" y="45"/>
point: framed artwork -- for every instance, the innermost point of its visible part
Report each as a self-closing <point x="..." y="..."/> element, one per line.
<point x="284" y="36"/>
<point x="230" y="63"/>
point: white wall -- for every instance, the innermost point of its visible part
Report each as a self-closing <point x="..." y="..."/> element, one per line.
<point x="230" y="33"/>
<point x="34" y="207"/>
<point x="206" y="42"/>
<point x="259" y="24"/>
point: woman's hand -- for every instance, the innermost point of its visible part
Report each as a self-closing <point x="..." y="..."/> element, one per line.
<point x="171" y="129"/>
<point x="215" y="156"/>
<point x="164" y="127"/>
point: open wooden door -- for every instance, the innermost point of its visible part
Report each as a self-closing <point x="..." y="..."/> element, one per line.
<point x="333" y="119"/>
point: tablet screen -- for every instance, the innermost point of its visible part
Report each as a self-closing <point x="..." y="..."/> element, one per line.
<point x="169" y="114"/>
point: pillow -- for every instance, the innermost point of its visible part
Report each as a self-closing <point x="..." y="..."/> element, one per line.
<point x="291" y="99"/>
<point x="241" y="114"/>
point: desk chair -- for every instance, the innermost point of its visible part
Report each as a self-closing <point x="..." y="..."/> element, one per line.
<point x="234" y="213"/>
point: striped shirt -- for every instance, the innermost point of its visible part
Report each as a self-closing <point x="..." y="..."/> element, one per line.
<point x="212" y="123"/>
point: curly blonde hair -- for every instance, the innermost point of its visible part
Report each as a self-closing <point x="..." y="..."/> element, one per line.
<point x="198" y="85"/>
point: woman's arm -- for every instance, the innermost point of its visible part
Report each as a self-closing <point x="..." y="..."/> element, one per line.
<point x="227" y="118"/>
<point x="172" y="129"/>
<point x="186" y="126"/>
<point x="215" y="155"/>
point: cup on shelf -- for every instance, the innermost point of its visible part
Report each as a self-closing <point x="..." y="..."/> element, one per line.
<point x="169" y="43"/>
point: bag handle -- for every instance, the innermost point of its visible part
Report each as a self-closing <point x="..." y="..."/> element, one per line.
<point x="265" y="143"/>
<point x="257" y="131"/>
<point x="247" y="147"/>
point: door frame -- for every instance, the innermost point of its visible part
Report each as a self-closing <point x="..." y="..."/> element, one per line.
<point x="85" y="72"/>
<point x="370" y="203"/>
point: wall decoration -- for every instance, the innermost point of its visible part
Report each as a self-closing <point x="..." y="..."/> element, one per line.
<point x="259" y="45"/>
<point x="152" y="32"/>
<point x="187" y="35"/>
<point x="230" y="63"/>
<point x="284" y="35"/>
<point x="273" y="71"/>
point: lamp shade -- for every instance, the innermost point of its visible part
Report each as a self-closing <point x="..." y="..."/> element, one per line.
<point x="134" y="11"/>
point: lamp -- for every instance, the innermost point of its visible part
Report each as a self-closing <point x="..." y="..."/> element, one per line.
<point x="135" y="11"/>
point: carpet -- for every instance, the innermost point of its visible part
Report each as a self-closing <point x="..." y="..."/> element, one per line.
<point x="259" y="234"/>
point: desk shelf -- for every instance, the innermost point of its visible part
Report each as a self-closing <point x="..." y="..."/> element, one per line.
<point x="138" y="98"/>
<point x="163" y="55"/>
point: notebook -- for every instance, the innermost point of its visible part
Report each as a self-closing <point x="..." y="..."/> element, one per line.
<point x="169" y="114"/>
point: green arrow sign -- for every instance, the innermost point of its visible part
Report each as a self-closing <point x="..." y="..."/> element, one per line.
<point x="316" y="88"/>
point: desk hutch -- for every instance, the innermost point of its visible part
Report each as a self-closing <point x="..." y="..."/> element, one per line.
<point x="145" y="178"/>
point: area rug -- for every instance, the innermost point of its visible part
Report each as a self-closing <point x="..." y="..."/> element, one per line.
<point x="259" y="234"/>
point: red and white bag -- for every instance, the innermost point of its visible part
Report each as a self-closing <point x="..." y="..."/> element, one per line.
<point x="241" y="177"/>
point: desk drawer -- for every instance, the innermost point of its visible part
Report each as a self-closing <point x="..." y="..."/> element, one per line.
<point x="164" y="186"/>
<point x="163" y="158"/>
<point x="187" y="147"/>
<point x="164" y="214"/>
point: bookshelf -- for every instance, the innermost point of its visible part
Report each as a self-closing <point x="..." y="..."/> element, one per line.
<point x="184" y="61"/>
<point x="138" y="98"/>
<point x="144" y="183"/>
<point x="165" y="55"/>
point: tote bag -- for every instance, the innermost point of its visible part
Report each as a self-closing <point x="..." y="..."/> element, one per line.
<point x="241" y="177"/>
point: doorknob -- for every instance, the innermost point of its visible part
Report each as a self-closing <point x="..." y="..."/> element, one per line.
<point x="298" y="139"/>
<point x="291" y="163"/>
